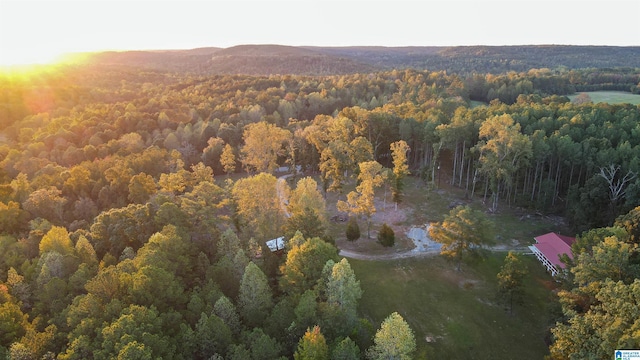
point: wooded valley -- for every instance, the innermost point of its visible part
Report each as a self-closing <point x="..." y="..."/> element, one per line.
<point x="137" y="191"/>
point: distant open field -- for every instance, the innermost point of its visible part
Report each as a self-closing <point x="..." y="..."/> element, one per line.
<point x="475" y="104"/>
<point x="611" y="97"/>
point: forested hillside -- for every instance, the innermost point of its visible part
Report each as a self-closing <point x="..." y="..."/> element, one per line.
<point x="307" y="60"/>
<point x="135" y="201"/>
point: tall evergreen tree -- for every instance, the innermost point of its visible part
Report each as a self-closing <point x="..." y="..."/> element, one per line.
<point x="255" y="298"/>
<point x="344" y="292"/>
<point x="312" y="346"/>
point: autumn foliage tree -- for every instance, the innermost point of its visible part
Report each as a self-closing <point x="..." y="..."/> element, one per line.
<point x="394" y="340"/>
<point x="503" y="150"/>
<point x="259" y="205"/>
<point x="399" y="150"/>
<point x="228" y="159"/>
<point x="462" y="231"/>
<point x="361" y="201"/>
<point x="263" y="144"/>
<point x="312" y="346"/>
<point x="511" y="280"/>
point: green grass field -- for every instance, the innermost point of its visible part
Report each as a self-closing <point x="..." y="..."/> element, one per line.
<point x="612" y="97"/>
<point x="456" y="315"/>
<point x="475" y="103"/>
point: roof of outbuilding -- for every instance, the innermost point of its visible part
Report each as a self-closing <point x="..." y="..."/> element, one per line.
<point x="276" y="244"/>
<point x="553" y="246"/>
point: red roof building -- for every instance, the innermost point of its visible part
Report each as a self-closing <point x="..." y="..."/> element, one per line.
<point x="548" y="249"/>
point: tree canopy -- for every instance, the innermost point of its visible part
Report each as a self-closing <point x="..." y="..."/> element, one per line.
<point x="120" y="239"/>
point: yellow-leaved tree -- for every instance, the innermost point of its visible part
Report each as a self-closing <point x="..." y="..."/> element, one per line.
<point x="394" y="340"/>
<point x="263" y="143"/>
<point x="259" y="206"/>
<point x="361" y="201"/>
<point x="461" y="231"/>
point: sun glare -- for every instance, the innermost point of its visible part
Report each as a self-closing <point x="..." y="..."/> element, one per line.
<point x="27" y="57"/>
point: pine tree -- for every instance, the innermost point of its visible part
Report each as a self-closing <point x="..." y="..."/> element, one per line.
<point x="386" y="236"/>
<point x="255" y="298"/>
<point x="312" y="346"/>
<point x="353" y="230"/>
<point x="344" y="292"/>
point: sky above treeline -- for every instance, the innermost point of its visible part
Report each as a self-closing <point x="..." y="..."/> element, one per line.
<point x="54" y="26"/>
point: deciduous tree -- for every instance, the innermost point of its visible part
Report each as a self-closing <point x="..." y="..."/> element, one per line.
<point x="631" y="222"/>
<point x="510" y="280"/>
<point x="612" y="323"/>
<point x="307" y="195"/>
<point x="141" y="187"/>
<point x="503" y="150"/>
<point x="399" y="150"/>
<point x="394" y="340"/>
<point x="57" y="239"/>
<point x="228" y="160"/>
<point x="304" y="264"/>
<point x="462" y="230"/>
<point x="47" y="203"/>
<point x="259" y="205"/>
<point x="263" y="144"/>
<point x="334" y="163"/>
<point x="361" y="201"/>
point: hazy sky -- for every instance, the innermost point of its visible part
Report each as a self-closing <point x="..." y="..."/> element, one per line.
<point x="66" y="26"/>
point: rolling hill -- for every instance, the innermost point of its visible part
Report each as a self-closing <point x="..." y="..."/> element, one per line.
<point x="307" y="60"/>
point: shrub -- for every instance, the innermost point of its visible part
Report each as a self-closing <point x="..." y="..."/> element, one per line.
<point x="386" y="236"/>
<point x="353" y="229"/>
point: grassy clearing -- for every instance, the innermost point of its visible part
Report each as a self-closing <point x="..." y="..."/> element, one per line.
<point x="611" y="97"/>
<point x="424" y="204"/>
<point x="455" y="315"/>
<point x="475" y="103"/>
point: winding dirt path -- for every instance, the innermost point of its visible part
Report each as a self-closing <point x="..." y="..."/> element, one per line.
<point x="280" y="184"/>
<point x="424" y="246"/>
<point x="401" y="255"/>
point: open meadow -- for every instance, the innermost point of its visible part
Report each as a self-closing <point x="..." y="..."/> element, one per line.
<point x="611" y="97"/>
<point x="455" y="315"/>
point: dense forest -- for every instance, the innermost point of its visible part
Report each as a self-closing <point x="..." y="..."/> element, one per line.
<point x="465" y="60"/>
<point x="135" y="201"/>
